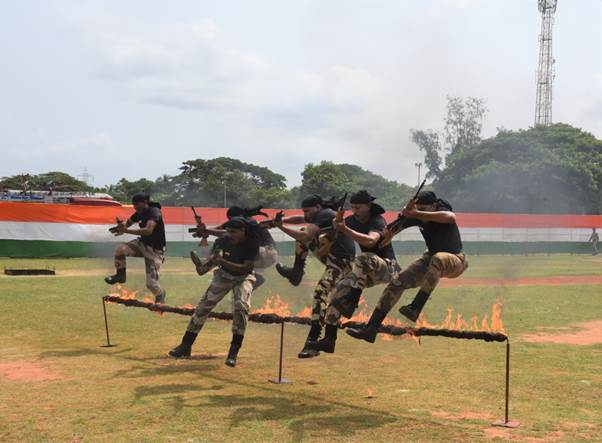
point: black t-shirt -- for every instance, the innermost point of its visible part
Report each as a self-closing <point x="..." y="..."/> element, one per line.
<point x="376" y="223"/>
<point x="263" y="234"/>
<point x="239" y="253"/>
<point x="439" y="237"/>
<point x="157" y="238"/>
<point x="343" y="247"/>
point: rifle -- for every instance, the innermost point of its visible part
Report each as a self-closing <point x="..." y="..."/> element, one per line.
<point x="268" y="224"/>
<point x="329" y="235"/>
<point x="199" y="229"/>
<point x="394" y="227"/>
<point x="113" y="229"/>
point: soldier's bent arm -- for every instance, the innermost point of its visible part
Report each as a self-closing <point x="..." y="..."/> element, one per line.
<point x="246" y="266"/>
<point x="147" y="230"/>
<point x="307" y="235"/>
<point x="293" y="219"/>
<point x="368" y="240"/>
<point x="446" y="217"/>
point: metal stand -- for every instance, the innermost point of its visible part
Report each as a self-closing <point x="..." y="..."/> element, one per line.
<point x="280" y="380"/>
<point x="104" y="311"/>
<point x="505" y="422"/>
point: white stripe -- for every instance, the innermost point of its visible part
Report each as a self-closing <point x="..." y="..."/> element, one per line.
<point x="99" y="233"/>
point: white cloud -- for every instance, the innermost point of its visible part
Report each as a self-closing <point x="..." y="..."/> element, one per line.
<point x="190" y="67"/>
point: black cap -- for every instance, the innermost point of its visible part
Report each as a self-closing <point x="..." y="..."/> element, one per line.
<point x="140" y="197"/>
<point x="362" y="197"/>
<point x="235" y="223"/>
<point x="310" y="201"/>
<point x="235" y="211"/>
<point x="426" y="198"/>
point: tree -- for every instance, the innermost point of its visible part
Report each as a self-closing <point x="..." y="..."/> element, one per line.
<point x="463" y="127"/>
<point x="204" y="182"/>
<point x="428" y="142"/>
<point x="329" y="179"/>
<point x="58" y="181"/>
<point x="553" y="169"/>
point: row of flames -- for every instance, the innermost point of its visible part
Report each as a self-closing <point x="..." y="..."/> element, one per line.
<point x="275" y="305"/>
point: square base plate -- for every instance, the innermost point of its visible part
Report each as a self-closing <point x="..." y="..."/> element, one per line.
<point x="279" y="381"/>
<point x="506" y="424"/>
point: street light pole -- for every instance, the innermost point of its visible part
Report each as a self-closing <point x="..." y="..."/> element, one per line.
<point x="224" y="182"/>
<point x="418" y="165"/>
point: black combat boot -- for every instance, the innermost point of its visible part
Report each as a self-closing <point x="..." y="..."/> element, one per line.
<point x="327" y="344"/>
<point x="369" y="331"/>
<point x="413" y="310"/>
<point x="259" y="280"/>
<point x="235" y="345"/>
<point x="160" y="298"/>
<point x="294" y="274"/>
<point x="314" y="335"/>
<point x="347" y="303"/>
<point x="184" y="348"/>
<point x="118" y="277"/>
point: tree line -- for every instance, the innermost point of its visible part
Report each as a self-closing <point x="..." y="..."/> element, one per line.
<point x="543" y="169"/>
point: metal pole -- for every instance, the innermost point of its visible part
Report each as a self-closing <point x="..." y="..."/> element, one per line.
<point x="507" y="379"/>
<point x="281" y="352"/>
<point x="104" y="311"/>
<point x="506" y="423"/>
<point x="280" y="380"/>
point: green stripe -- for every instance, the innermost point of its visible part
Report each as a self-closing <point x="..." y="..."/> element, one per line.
<point x="44" y="248"/>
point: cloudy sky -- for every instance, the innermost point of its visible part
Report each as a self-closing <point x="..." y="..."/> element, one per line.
<point x="133" y="88"/>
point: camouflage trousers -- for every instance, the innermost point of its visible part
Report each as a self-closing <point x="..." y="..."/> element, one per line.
<point x="153" y="259"/>
<point x="333" y="272"/>
<point x="367" y="270"/>
<point x="222" y="283"/>
<point x="425" y="273"/>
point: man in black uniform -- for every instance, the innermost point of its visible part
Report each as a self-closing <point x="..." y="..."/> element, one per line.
<point x="150" y="244"/>
<point x="319" y="218"/>
<point x="375" y="265"/>
<point x="234" y="255"/>
<point x="443" y="258"/>
<point x="268" y="254"/>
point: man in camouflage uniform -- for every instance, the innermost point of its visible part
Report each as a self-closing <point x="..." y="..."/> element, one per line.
<point x="150" y="244"/>
<point x="375" y="265"/>
<point x="267" y="255"/>
<point x="319" y="217"/>
<point x="233" y="255"/>
<point x="443" y="258"/>
<point x="594" y="239"/>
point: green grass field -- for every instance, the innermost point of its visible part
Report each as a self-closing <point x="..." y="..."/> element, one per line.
<point x="58" y="384"/>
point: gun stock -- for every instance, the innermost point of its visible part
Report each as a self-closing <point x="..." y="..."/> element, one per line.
<point x="329" y="235"/>
<point x="199" y="230"/>
<point x="394" y="227"/>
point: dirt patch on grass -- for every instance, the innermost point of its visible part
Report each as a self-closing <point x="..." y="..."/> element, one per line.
<point x="588" y="333"/>
<point x="21" y="370"/>
<point x="560" y="280"/>
<point x="464" y="415"/>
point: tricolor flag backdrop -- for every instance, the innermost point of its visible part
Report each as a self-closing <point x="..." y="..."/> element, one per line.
<point x="57" y="230"/>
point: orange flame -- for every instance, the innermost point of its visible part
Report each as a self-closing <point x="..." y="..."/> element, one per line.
<point x="306" y="312"/>
<point x="496" y="325"/>
<point x="274" y="305"/>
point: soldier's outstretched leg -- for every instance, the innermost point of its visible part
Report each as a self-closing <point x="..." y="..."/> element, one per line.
<point x="123" y="250"/>
<point x="235" y="345"/>
<point x="295" y="274"/>
<point x="216" y="291"/>
<point x="184" y="349"/>
<point x="442" y="264"/>
<point x="328" y="343"/>
<point x="241" y="305"/>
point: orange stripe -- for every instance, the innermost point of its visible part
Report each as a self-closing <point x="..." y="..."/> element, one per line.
<point x="56" y="213"/>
